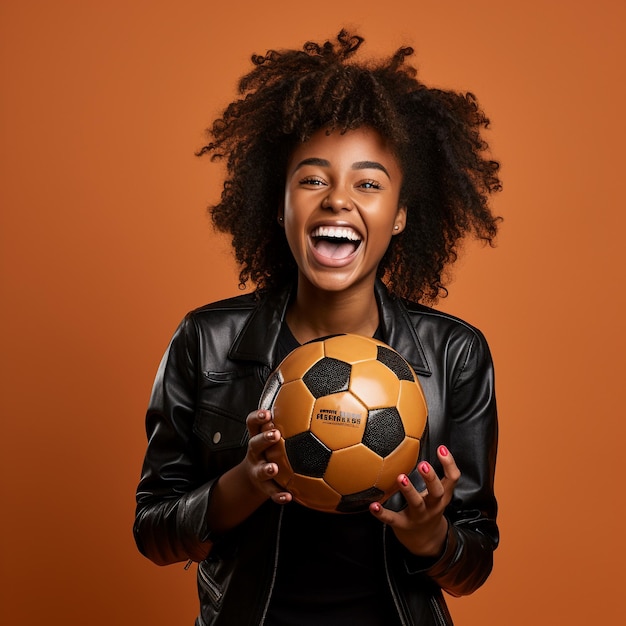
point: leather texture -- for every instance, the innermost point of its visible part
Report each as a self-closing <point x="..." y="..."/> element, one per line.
<point x="212" y="376"/>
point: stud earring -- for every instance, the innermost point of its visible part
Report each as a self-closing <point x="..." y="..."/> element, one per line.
<point x="280" y="219"/>
<point x="396" y="227"/>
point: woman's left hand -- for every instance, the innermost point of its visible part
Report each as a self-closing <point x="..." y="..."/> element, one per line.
<point x="421" y="526"/>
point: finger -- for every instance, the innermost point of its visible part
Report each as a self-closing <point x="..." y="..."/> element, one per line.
<point x="259" y="422"/>
<point x="277" y="495"/>
<point x="267" y="471"/>
<point x="414" y="499"/>
<point x="267" y="426"/>
<point x="450" y="469"/>
<point x="282" y="497"/>
<point x="434" y="488"/>
<point x="384" y="515"/>
<point x="261" y="442"/>
<point x="256" y="420"/>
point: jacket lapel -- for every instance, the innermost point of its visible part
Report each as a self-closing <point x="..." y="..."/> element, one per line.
<point x="257" y="339"/>
<point x="398" y="330"/>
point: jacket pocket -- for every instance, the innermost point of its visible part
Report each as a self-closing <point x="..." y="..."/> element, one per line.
<point x="211" y="592"/>
<point x="224" y="401"/>
<point x="218" y="430"/>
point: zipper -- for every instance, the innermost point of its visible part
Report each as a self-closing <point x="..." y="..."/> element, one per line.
<point x="211" y="587"/>
<point x="438" y="611"/>
<point x="274" y="569"/>
<point x="394" y="595"/>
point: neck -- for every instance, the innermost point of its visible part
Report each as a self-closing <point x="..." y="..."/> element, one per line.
<point x="315" y="314"/>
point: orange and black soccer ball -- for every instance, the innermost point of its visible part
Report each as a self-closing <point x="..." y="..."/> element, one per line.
<point x="351" y="413"/>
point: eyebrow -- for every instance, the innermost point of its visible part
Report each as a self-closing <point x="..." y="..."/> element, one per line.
<point x="358" y="165"/>
<point x="370" y="165"/>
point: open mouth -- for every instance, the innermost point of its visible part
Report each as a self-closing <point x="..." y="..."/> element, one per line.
<point x="335" y="242"/>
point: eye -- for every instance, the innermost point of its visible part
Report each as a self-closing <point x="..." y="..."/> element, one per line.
<point x="312" y="181"/>
<point x="369" y="184"/>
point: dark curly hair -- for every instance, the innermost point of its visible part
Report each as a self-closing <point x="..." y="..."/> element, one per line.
<point x="436" y="134"/>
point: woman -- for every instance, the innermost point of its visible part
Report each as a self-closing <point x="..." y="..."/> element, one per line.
<point x="349" y="188"/>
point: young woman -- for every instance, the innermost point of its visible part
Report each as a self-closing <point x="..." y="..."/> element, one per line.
<point x="349" y="189"/>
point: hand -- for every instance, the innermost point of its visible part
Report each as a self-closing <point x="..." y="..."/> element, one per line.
<point x="421" y="526"/>
<point x="245" y="487"/>
<point x="261" y="473"/>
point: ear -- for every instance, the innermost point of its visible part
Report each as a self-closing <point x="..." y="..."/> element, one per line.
<point x="400" y="221"/>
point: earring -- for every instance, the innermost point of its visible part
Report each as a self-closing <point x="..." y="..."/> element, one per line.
<point x="280" y="219"/>
<point x="396" y="227"/>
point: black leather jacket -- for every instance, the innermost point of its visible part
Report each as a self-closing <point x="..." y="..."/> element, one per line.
<point x="212" y="376"/>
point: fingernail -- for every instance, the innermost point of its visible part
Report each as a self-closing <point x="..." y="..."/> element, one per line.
<point x="282" y="498"/>
<point x="404" y="480"/>
<point x="270" y="469"/>
<point x="443" y="451"/>
<point x="269" y="435"/>
<point x="376" y="507"/>
<point x="424" y="468"/>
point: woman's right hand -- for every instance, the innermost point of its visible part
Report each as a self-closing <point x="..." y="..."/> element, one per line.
<point x="263" y="434"/>
<point x="245" y="487"/>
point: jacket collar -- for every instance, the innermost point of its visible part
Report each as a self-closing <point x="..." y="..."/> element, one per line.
<point x="257" y="339"/>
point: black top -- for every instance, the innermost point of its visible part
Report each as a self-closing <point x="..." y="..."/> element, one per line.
<point x="330" y="566"/>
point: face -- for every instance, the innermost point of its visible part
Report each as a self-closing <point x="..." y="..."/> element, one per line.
<point x="342" y="207"/>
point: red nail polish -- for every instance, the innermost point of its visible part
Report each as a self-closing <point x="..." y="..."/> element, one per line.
<point x="443" y="451"/>
<point x="424" y="468"/>
<point x="404" y="480"/>
<point x="376" y="507"/>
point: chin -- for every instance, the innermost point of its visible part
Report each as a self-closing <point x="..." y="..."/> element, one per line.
<point x="334" y="283"/>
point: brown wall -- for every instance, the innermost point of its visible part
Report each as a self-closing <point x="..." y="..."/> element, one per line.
<point x="105" y="246"/>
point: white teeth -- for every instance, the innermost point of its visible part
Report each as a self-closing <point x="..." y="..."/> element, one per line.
<point x="336" y="232"/>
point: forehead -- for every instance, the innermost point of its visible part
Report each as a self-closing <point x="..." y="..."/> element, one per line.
<point x="360" y="144"/>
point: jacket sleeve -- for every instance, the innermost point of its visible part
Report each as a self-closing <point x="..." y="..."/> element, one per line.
<point x="469" y="428"/>
<point x="172" y="497"/>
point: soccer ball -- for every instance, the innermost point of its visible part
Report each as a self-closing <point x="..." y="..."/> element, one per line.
<point x="351" y="413"/>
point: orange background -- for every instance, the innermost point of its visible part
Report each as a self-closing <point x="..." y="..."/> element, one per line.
<point x="105" y="246"/>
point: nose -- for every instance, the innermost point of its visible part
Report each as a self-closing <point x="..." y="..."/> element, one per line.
<point x="337" y="200"/>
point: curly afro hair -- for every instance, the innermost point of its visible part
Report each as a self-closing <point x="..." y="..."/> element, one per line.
<point x="290" y="94"/>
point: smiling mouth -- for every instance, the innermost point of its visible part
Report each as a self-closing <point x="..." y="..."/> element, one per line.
<point x="335" y="242"/>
